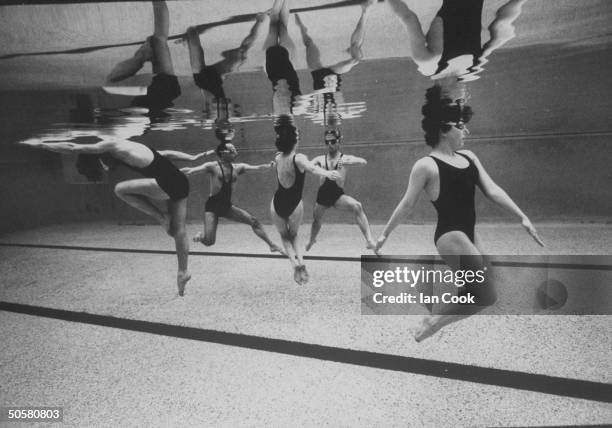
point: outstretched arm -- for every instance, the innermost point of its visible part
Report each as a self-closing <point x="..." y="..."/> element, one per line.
<point x="418" y="179"/>
<point x="303" y="162"/>
<point x="176" y="155"/>
<point x="351" y="160"/>
<point x="205" y="167"/>
<point x="67" y="147"/>
<point x="498" y="195"/>
<point x="245" y="167"/>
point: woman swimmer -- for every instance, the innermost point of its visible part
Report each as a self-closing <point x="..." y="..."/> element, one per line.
<point x="287" y="208"/>
<point x="163" y="182"/>
<point x="449" y="176"/>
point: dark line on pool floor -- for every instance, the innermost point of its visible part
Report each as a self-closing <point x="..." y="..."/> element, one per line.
<point x="574" y="388"/>
<point x="367" y="258"/>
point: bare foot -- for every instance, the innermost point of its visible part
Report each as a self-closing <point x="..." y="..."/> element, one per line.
<point x="181" y="282"/>
<point x="199" y="237"/>
<point x="304" y="275"/>
<point x="276" y="249"/>
<point x="309" y="245"/>
<point x="297" y="275"/>
<point x="371" y="245"/>
<point x="429" y="325"/>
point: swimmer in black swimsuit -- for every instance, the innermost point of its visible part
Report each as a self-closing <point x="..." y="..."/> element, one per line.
<point x="449" y="177"/>
<point x="280" y="70"/>
<point x="331" y="193"/>
<point x="163" y="182"/>
<point x="452" y="45"/>
<point x="286" y="208"/>
<point x="209" y="78"/>
<point x="223" y="176"/>
<point x="164" y="87"/>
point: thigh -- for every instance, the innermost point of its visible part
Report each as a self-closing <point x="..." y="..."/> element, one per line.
<point x="346" y="202"/>
<point x="143" y="186"/>
<point x="457" y="250"/>
<point x="239" y="215"/>
<point x="279" y="222"/>
<point x="295" y="219"/>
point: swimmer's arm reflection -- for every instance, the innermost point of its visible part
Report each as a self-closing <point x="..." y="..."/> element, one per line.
<point x="499" y="196"/>
<point x="130" y="91"/>
<point x="176" y="155"/>
<point x="305" y="164"/>
<point x="419" y="177"/>
<point x="66" y="147"/>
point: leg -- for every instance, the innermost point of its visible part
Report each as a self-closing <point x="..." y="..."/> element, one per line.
<point x="178" y="214"/>
<point x="196" y="52"/>
<point x="502" y="28"/>
<point x="419" y="48"/>
<point x="241" y="216"/>
<point x="162" y="61"/>
<point x="358" y="35"/>
<point x="313" y="55"/>
<point x="131" y="66"/>
<point x="349" y="203"/>
<point x="317" y="216"/>
<point x="288" y="233"/>
<point x="234" y="58"/>
<point x="274" y="27"/>
<point x="458" y="252"/>
<point x="140" y="194"/>
<point x="283" y="35"/>
<point x="209" y="236"/>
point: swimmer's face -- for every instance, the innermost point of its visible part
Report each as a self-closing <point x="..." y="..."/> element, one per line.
<point x="332" y="143"/>
<point x="230" y="153"/>
<point x="457" y="134"/>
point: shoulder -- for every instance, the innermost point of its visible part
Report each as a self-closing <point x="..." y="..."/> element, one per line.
<point x="301" y="158"/>
<point x="425" y="165"/>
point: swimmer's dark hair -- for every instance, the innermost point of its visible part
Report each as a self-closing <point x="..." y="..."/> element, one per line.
<point x="437" y="112"/>
<point x="90" y="167"/>
<point x="286" y="134"/>
<point x="335" y="132"/>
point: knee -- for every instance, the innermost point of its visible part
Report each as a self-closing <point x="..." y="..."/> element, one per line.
<point x="255" y="223"/>
<point x="357" y="208"/>
<point x="120" y="189"/>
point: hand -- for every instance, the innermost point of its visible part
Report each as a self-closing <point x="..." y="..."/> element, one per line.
<point x="333" y="175"/>
<point x="532" y="231"/>
<point x="380" y="242"/>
